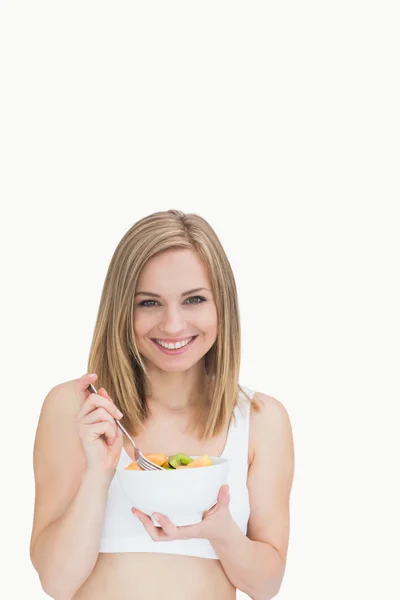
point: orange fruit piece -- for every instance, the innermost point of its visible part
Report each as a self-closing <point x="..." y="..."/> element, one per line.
<point x="158" y="459"/>
<point x="133" y="467"/>
<point x="204" y="461"/>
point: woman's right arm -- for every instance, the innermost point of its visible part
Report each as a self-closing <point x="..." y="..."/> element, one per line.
<point x="77" y="447"/>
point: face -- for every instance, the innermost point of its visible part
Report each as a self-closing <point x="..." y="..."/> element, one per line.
<point x="164" y="311"/>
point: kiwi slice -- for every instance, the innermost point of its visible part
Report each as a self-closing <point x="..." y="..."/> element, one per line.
<point x="178" y="460"/>
<point x="167" y="466"/>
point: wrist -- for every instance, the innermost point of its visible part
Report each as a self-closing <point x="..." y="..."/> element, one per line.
<point x="97" y="478"/>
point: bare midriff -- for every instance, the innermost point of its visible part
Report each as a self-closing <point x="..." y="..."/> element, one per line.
<point x="155" y="576"/>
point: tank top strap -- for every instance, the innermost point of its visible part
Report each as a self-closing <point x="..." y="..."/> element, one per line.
<point x="237" y="444"/>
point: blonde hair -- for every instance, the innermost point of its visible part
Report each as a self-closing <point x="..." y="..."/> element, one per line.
<point x="114" y="355"/>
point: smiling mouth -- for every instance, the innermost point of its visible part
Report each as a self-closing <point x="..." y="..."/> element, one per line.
<point x="171" y="348"/>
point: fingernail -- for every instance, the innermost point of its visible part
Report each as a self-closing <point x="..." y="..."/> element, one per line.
<point x="156" y="518"/>
<point x="119" y="414"/>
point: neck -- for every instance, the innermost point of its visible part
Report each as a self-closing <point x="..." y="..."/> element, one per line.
<point x="177" y="392"/>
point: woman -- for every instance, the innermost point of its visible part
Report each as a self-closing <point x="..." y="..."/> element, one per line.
<point x="168" y="281"/>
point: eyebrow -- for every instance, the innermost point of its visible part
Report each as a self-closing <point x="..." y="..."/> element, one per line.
<point x="158" y="296"/>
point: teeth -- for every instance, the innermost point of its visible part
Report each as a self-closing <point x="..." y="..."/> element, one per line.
<point x="174" y="346"/>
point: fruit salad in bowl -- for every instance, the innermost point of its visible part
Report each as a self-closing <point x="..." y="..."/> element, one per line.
<point x="176" y="461"/>
<point x="185" y="487"/>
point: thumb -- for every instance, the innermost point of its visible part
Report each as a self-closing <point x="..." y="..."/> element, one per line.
<point x="84" y="381"/>
<point x="223" y="495"/>
<point x="82" y="389"/>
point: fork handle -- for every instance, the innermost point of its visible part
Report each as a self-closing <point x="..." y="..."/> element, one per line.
<point x="122" y="428"/>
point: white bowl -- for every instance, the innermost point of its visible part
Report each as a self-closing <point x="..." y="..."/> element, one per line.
<point x="182" y="495"/>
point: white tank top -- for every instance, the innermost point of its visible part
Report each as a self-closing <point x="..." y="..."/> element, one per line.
<point x="122" y="532"/>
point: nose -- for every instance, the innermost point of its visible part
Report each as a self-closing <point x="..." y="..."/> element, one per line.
<point x="173" y="322"/>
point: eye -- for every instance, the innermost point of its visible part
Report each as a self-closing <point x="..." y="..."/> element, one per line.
<point x="145" y="303"/>
<point x="150" y="303"/>
<point x="196" y="298"/>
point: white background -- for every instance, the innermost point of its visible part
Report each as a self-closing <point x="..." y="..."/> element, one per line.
<point x="278" y="123"/>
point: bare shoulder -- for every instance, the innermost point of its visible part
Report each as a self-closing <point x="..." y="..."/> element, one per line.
<point x="61" y="399"/>
<point x="269" y="425"/>
<point x="56" y="419"/>
<point x="56" y="426"/>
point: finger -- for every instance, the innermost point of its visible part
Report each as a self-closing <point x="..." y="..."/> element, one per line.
<point x="92" y="432"/>
<point x="102" y="392"/>
<point x="118" y="442"/>
<point x="170" y="529"/>
<point x="156" y="533"/>
<point x="106" y="395"/>
<point x="83" y="382"/>
<point x="185" y="532"/>
<point x="96" y="416"/>
<point x="95" y="401"/>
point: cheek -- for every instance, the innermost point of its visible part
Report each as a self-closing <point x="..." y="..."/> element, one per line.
<point x="209" y="320"/>
<point x="142" y="323"/>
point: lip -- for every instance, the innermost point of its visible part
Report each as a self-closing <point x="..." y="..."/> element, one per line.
<point x="175" y="352"/>
<point x="174" y="340"/>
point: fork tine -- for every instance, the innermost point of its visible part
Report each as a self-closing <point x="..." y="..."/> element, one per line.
<point x="147" y="466"/>
<point x="143" y="461"/>
<point x="146" y="463"/>
<point x="150" y="465"/>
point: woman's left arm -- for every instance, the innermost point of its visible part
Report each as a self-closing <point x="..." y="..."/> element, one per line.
<point x="256" y="563"/>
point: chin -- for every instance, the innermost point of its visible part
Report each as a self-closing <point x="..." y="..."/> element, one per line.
<point x="176" y="367"/>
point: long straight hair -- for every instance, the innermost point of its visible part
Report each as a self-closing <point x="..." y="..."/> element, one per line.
<point x="114" y="355"/>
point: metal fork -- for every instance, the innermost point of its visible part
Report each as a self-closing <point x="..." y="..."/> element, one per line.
<point x="143" y="462"/>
